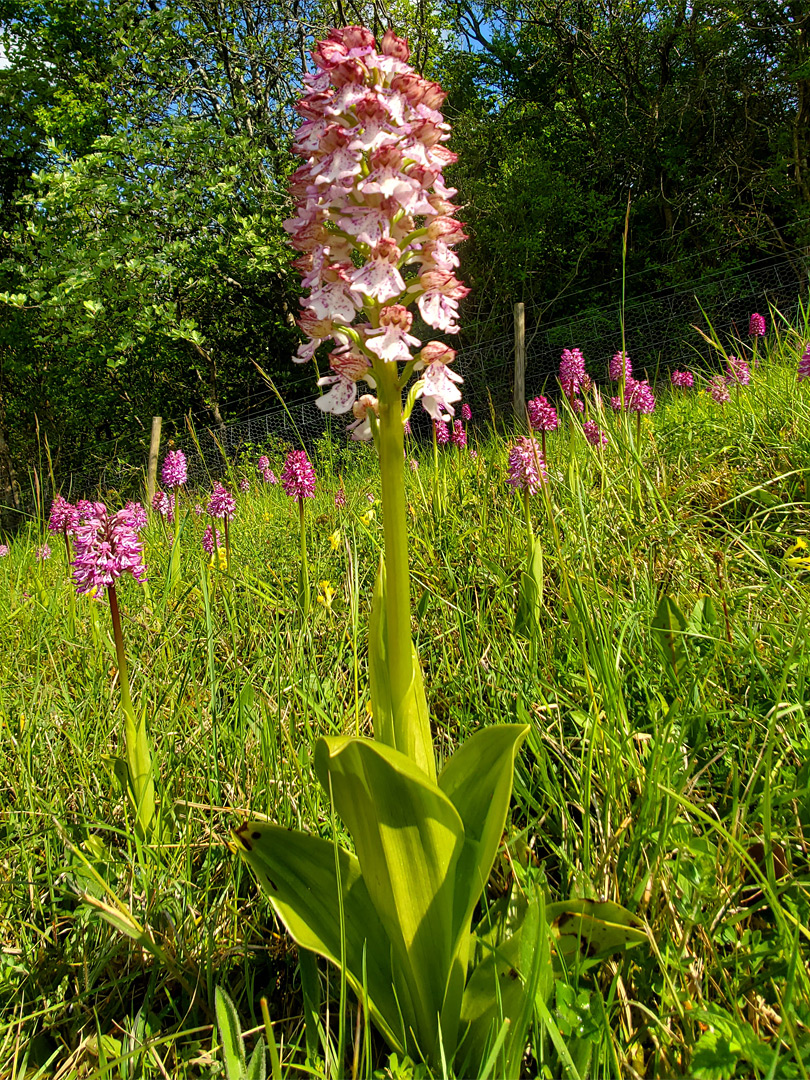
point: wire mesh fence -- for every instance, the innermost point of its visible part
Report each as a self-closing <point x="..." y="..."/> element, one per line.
<point x="658" y="334"/>
<point x="658" y="330"/>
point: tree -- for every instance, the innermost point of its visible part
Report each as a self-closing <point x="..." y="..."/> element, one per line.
<point x="697" y="111"/>
<point x="148" y="266"/>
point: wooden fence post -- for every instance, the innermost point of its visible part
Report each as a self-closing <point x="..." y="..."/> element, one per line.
<point x="154" y="453"/>
<point x="519" y="392"/>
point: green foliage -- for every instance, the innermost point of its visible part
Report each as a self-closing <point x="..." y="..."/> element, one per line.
<point x="668" y="628"/>
<point x="563" y="110"/>
<point x="528" y="618"/>
<point x="424" y="854"/>
<point x="236" y="1064"/>
<point x="687" y="809"/>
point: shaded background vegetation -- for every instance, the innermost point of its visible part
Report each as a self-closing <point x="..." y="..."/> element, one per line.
<point x="144" y="150"/>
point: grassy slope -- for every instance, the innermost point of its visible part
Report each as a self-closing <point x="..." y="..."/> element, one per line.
<point x="680" y="803"/>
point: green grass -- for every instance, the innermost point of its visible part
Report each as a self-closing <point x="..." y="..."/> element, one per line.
<point x="686" y="799"/>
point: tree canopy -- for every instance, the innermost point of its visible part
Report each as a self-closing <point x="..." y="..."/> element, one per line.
<point x="145" y="151"/>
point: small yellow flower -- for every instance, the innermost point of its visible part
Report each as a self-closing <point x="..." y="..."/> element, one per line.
<point x="334" y="539"/>
<point x="368" y="707"/>
<point x="219" y="558"/>
<point x="327" y="594"/>
<point x="794" y="558"/>
<point x="368" y="517"/>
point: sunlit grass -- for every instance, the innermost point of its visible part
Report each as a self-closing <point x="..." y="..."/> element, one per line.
<point x="688" y="801"/>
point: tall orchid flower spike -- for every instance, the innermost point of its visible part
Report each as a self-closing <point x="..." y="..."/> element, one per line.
<point x="174" y="475"/>
<point x="375" y="229"/>
<point x="222" y="504"/>
<point x="373" y="149"/>
<point x="373" y="144"/>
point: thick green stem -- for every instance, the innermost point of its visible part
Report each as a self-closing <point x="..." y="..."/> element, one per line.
<point x="118" y="636"/>
<point x="303" y="597"/>
<point x="392" y="474"/>
<point x="139" y="757"/>
<point x="527" y="509"/>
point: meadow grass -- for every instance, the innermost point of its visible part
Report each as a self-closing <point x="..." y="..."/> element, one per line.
<point x="667" y="767"/>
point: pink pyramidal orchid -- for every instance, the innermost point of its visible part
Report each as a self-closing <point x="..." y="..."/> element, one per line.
<point x="161" y="504"/>
<point x="298" y="476"/>
<point x="222" y="504"/>
<point x="527" y="468"/>
<point x="542" y="414"/>
<point x="174" y="472"/>
<point x="718" y="389"/>
<point x="594" y="434"/>
<point x="683" y="380"/>
<point x="64" y="517"/>
<point x="638" y="397"/>
<point x="572" y="371"/>
<point x="737" y="371"/>
<point x="618" y="362"/>
<point x="137" y="515"/>
<point x="756" y="325"/>
<point x="107" y="548"/>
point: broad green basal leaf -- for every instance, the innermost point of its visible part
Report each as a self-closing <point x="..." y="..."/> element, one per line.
<point x="506" y="982"/>
<point x="478" y="781"/>
<point x="408" y="837"/>
<point x="594" y="928"/>
<point x="297" y="873"/>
